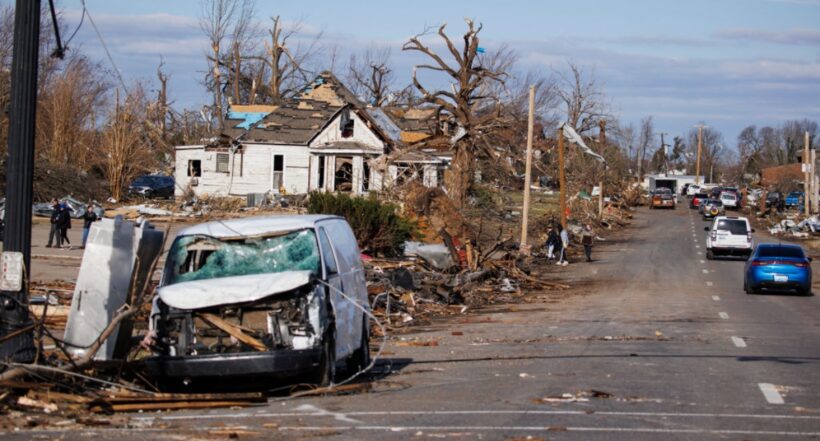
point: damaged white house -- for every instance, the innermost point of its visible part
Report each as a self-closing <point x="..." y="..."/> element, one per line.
<point x="325" y="140"/>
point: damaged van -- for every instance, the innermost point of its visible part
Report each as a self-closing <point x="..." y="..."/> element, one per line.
<point x="260" y="298"/>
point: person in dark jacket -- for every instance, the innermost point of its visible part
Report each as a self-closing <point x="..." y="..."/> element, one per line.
<point x="588" y="240"/>
<point x="88" y="218"/>
<point x="64" y="223"/>
<point x="553" y="242"/>
<point x="55" y="229"/>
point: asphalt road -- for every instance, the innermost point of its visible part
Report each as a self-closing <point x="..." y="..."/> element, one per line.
<point x="655" y="342"/>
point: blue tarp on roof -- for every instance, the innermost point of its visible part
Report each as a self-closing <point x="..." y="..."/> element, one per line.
<point x="250" y="118"/>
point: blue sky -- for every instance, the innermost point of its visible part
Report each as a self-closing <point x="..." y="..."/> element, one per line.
<point x="729" y="63"/>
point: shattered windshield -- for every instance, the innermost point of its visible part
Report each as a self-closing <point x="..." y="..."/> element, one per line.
<point x="198" y="257"/>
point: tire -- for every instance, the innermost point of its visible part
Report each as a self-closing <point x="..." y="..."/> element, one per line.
<point x="805" y="292"/>
<point x="360" y="358"/>
<point x="710" y="255"/>
<point x="327" y="364"/>
<point x="746" y="287"/>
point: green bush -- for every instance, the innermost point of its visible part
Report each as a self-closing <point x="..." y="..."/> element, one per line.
<point x="378" y="227"/>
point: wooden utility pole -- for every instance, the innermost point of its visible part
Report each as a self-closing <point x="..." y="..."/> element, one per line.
<point x="807" y="176"/>
<point x="813" y="182"/>
<point x="602" y="142"/>
<point x="562" y="191"/>
<point x="524" y="247"/>
<point x="700" y="148"/>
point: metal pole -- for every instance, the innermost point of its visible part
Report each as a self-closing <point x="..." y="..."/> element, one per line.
<point x="19" y="173"/>
<point x="807" y="180"/>
<point x="562" y="191"/>
<point x="602" y="142"/>
<point x="523" y="247"/>
<point x="700" y="147"/>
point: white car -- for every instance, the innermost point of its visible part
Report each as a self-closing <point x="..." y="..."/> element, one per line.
<point x="260" y="298"/>
<point x="729" y="200"/>
<point x="729" y="236"/>
<point x="692" y="190"/>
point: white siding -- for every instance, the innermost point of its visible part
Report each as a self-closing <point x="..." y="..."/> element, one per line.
<point x="249" y="173"/>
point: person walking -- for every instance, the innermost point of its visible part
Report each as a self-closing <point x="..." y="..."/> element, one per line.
<point x="564" y="244"/>
<point x="54" y="232"/>
<point x="587" y="240"/>
<point x="88" y="218"/>
<point x="553" y="241"/>
<point x="64" y="223"/>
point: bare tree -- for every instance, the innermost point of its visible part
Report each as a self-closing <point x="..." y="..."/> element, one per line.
<point x="126" y="151"/>
<point x="370" y="76"/>
<point x="286" y="63"/>
<point x="219" y="19"/>
<point x="583" y="100"/>
<point x="464" y="102"/>
<point x="646" y="138"/>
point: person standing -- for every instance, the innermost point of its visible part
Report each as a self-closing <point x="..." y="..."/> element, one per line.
<point x="552" y="242"/>
<point x="587" y="240"/>
<point x="54" y="232"/>
<point x="88" y="218"/>
<point x="564" y="244"/>
<point x="64" y="223"/>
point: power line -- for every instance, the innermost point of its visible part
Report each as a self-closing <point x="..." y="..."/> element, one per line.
<point x="105" y="47"/>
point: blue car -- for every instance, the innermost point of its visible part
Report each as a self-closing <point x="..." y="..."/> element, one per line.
<point x="778" y="267"/>
<point x="794" y="199"/>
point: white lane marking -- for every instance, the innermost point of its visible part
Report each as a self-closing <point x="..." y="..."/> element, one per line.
<point x="702" y="261"/>
<point x="739" y="342"/>
<point x="313" y="410"/>
<point x="697" y="246"/>
<point x="705" y="271"/>
<point x="716" y="298"/>
<point x="546" y="429"/>
<point x="243" y="415"/>
<point x="770" y="393"/>
<point x="723" y="315"/>
<point x="709" y="284"/>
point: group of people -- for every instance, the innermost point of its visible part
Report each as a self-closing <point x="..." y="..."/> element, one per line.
<point x="558" y="242"/>
<point x="61" y="223"/>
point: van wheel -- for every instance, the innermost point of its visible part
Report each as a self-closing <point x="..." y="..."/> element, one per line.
<point x="360" y="358"/>
<point x="327" y="363"/>
<point x="710" y="254"/>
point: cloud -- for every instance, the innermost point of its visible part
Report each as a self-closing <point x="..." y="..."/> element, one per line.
<point x="788" y="37"/>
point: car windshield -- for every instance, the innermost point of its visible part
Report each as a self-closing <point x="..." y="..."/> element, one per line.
<point x="714" y="202"/>
<point x="794" y="194"/>
<point x="733" y="226"/>
<point x="781" y="252"/>
<point x="727" y="196"/>
<point x="199" y="257"/>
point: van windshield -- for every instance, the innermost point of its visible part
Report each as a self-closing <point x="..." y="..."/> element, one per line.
<point x="199" y="257"/>
<point x="732" y="226"/>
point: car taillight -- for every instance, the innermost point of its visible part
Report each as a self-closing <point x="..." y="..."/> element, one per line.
<point x="760" y="263"/>
<point x="713" y="235"/>
<point x="800" y="264"/>
<point x="748" y="237"/>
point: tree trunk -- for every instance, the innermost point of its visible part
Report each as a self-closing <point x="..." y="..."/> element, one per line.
<point x="459" y="178"/>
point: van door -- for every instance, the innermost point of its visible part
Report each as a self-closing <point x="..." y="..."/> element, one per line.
<point x="351" y="273"/>
<point x="342" y="308"/>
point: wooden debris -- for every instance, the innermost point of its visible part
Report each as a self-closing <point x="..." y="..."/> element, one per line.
<point x="234" y="330"/>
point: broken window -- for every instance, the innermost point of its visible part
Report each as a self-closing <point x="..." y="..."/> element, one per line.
<point x="344" y="174"/>
<point x="346" y="124"/>
<point x="194" y="168"/>
<point x="321" y="172"/>
<point x="366" y="176"/>
<point x="278" y="171"/>
<point x="223" y="162"/>
<point x="200" y="257"/>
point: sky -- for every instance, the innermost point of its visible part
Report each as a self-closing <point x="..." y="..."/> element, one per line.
<point x="726" y="63"/>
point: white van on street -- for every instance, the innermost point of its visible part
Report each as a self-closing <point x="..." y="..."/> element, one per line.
<point x="729" y="236"/>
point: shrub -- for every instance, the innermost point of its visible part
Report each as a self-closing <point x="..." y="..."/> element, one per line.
<point x="378" y="227"/>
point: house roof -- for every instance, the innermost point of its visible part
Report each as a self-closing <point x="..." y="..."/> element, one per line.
<point x="293" y="123"/>
<point x="327" y="88"/>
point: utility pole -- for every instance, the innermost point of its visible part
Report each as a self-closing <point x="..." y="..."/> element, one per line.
<point x="15" y="325"/>
<point x="700" y="149"/>
<point x="562" y="192"/>
<point x="807" y="166"/>
<point x="665" y="154"/>
<point x="524" y="247"/>
<point x="602" y="142"/>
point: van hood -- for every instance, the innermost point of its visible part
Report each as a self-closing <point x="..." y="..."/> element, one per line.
<point x="198" y="294"/>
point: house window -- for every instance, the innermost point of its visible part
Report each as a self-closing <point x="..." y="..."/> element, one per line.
<point x="194" y="168"/>
<point x="366" y="176"/>
<point x="278" y="171"/>
<point x="321" y="172"/>
<point x="223" y="162"/>
<point x="347" y="128"/>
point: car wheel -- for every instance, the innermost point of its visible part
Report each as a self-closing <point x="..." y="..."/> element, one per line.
<point x="710" y="254"/>
<point x="327" y="363"/>
<point x="806" y="292"/>
<point x="360" y="359"/>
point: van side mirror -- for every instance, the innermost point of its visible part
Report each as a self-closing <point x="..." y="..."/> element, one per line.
<point x="705" y="228"/>
<point x="753" y="230"/>
<point x="811" y="259"/>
